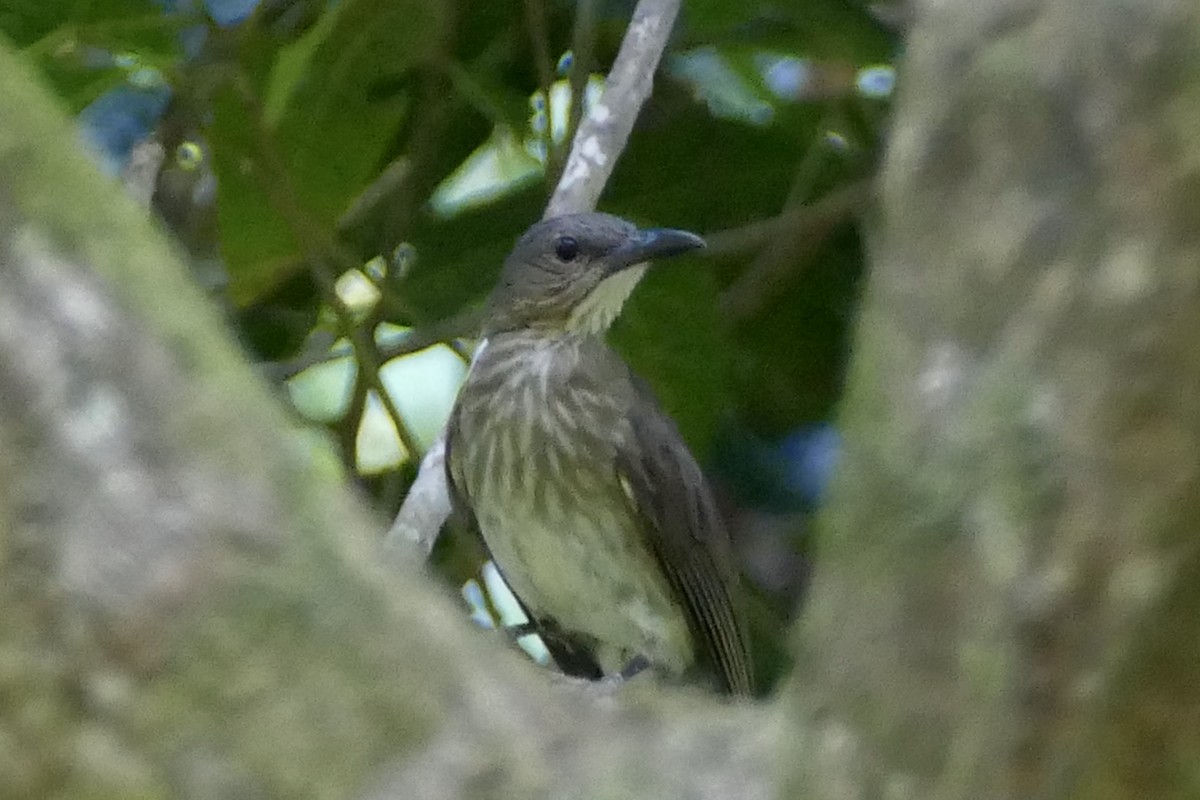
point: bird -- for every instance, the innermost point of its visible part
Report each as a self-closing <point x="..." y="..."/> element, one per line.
<point x="586" y="496"/>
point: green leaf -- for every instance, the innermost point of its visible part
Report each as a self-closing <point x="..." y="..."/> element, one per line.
<point x="52" y="27"/>
<point x="257" y="244"/>
<point x="84" y="49"/>
<point x="337" y="98"/>
<point x="291" y="64"/>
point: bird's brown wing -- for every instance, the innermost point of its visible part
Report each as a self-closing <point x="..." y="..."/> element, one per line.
<point x="669" y="493"/>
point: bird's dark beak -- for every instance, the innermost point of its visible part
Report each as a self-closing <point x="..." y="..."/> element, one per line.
<point x="650" y="244"/>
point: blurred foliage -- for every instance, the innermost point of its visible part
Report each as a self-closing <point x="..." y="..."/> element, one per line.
<point x="328" y="127"/>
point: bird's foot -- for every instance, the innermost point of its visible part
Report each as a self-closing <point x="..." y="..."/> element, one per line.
<point x="515" y="632"/>
<point x="636" y="665"/>
<point x="610" y="684"/>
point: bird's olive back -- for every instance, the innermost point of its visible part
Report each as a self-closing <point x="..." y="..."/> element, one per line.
<point x="553" y="267"/>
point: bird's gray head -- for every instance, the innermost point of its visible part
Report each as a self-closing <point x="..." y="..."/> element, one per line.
<point x="573" y="273"/>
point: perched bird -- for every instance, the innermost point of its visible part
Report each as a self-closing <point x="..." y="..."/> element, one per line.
<point x="589" y="501"/>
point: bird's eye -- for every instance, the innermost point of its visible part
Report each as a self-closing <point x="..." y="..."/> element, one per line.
<point x="566" y="248"/>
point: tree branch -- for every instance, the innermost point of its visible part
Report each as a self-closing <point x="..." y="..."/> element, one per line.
<point x="605" y="129"/>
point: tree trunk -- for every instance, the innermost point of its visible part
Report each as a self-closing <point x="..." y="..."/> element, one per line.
<point x="1009" y="578"/>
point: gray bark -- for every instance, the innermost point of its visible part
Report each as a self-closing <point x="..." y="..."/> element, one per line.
<point x="1013" y="542"/>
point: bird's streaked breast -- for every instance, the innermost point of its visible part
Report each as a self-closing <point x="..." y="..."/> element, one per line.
<point x="534" y="455"/>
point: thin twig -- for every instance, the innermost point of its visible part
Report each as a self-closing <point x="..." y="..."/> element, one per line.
<point x="390" y="180"/>
<point x="366" y="355"/>
<point x="605" y="129"/>
<point x="318" y="349"/>
<point x="348" y="426"/>
<point x="444" y="332"/>
<point x="784" y="248"/>
<point x="798" y="233"/>
<point x="849" y="199"/>
<point x="430" y="121"/>
<point x="321" y="245"/>
<point x="602" y="135"/>
<point x="583" y="41"/>
<point x="462" y="325"/>
<point x="539" y="39"/>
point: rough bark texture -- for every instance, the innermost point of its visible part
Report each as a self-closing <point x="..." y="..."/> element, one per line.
<point x="1007" y="593"/>
<point x="1008" y="598"/>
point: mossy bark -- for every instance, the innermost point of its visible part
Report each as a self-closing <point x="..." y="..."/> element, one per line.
<point x="1018" y="508"/>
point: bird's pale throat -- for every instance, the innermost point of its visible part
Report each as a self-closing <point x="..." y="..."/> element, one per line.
<point x="596" y="312"/>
